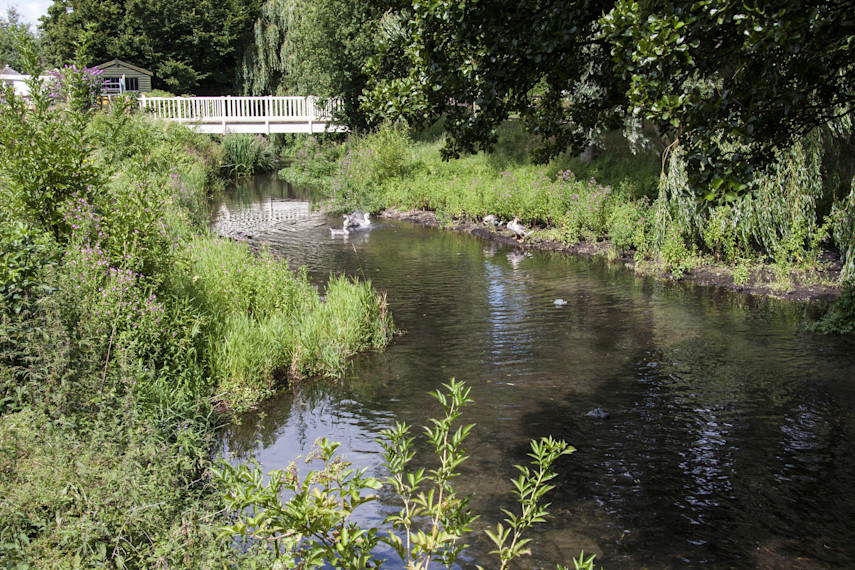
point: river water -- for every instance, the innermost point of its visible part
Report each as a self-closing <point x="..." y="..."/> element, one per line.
<point x="731" y="437"/>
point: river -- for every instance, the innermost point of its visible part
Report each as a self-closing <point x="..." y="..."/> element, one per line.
<point x="731" y="430"/>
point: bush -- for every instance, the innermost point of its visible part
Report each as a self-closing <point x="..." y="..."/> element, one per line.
<point x="675" y="253"/>
<point x="306" y="520"/>
<point x="629" y="225"/>
<point x="840" y="318"/>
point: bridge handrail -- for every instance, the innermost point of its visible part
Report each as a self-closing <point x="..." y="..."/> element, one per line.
<point x="271" y="107"/>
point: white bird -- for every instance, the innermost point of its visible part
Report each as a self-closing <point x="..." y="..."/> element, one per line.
<point x="493" y="221"/>
<point x="343" y="231"/>
<point x="359" y="219"/>
<point x="518" y="229"/>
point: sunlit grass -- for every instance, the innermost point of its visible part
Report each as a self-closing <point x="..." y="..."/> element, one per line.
<point x="270" y="325"/>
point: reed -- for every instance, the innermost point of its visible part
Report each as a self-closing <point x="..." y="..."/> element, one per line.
<point x="248" y="154"/>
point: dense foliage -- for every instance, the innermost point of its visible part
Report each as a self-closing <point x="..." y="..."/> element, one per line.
<point x="302" y="47"/>
<point x="731" y="81"/>
<point x="190" y="46"/>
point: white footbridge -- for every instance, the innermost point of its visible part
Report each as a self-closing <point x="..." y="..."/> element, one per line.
<point x="262" y="115"/>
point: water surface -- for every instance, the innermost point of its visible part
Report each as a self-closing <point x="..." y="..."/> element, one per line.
<point x="730" y="441"/>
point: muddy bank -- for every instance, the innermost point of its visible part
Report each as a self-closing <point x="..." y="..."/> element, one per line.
<point x="762" y="281"/>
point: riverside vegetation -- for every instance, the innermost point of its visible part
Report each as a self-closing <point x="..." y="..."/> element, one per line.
<point x="122" y="324"/>
<point x="631" y="204"/>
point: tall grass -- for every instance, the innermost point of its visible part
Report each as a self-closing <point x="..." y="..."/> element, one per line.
<point x="269" y="324"/>
<point x="248" y="154"/>
<point x="387" y="169"/>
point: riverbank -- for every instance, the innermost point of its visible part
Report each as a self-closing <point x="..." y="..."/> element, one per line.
<point x="123" y="322"/>
<point x="821" y="287"/>
<point x="780" y="240"/>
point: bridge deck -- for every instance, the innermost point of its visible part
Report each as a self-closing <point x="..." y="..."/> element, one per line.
<point x="264" y="115"/>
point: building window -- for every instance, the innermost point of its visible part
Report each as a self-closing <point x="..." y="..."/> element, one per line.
<point x="111" y="85"/>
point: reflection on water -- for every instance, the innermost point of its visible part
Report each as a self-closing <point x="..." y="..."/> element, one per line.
<point x="731" y="431"/>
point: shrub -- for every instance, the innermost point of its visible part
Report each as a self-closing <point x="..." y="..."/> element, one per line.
<point x="628" y="225"/>
<point x="306" y="521"/>
<point x="840" y="318"/>
<point x="675" y="253"/>
<point x="719" y="233"/>
<point x="25" y="253"/>
<point x="585" y="215"/>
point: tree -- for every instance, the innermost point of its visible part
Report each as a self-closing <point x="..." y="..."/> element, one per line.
<point x="318" y="47"/>
<point x="734" y="81"/>
<point x="189" y="45"/>
<point x="731" y="80"/>
<point x="479" y="62"/>
<point x="11" y="30"/>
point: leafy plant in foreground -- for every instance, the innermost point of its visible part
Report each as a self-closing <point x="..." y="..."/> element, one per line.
<point x="530" y="488"/>
<point x="314" y="525"/>
<point x="448" y="515"/>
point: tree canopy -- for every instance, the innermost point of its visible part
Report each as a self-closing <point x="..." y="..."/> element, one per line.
<point x="11" y="30"/>
<point x="317" y="47"/>
<point x="189" y="45"/>
<point x="730" y="80"/>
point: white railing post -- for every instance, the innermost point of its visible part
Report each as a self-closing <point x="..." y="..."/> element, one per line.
<point x="226" y="110"/>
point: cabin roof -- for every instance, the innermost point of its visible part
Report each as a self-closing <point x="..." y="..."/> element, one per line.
<point x="8" y="71"/>
<point x="114" y="62"/>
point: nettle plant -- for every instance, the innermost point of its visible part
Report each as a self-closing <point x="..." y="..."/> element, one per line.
<point x="308" y="521"/>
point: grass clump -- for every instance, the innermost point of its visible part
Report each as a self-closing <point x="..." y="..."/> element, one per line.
<point x="248" y="154"/>
<point x="268" y="323"/>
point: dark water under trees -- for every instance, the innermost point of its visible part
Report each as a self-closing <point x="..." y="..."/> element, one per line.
<point x="731" y="441"/>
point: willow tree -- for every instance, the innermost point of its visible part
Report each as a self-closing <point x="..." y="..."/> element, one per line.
<point x="317" y="47"/>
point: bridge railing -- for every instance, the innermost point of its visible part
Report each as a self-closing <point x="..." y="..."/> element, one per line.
<point x="191" y="108"/>
<point x="246" y="114"/>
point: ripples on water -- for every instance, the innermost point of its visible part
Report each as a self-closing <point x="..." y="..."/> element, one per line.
<point x="731" y="430"/>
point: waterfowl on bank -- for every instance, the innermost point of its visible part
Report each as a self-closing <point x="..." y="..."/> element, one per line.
<point x="492" y="220"/>
<point x="518" y="229"/>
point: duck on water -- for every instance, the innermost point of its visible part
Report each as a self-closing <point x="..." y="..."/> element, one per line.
<point x="343" y="231"/>
<point x="358" y="219"/>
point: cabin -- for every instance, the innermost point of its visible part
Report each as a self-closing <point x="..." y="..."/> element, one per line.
<point x="120" y="76"/>
<point x="17" y="81"/>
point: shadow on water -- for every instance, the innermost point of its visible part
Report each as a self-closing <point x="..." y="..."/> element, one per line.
<point x="729" y="442"/>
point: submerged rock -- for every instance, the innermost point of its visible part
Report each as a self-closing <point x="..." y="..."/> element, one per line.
<point x="599" y="413"/>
